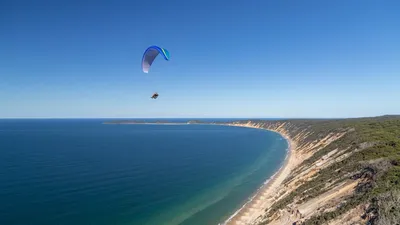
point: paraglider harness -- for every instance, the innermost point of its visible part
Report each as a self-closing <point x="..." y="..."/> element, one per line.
<point x="155" y="95"/>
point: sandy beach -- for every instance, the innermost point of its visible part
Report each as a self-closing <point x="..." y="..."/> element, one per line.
<point x="252" y="210"/>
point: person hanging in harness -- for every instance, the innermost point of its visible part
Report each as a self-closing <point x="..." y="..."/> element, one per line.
<point x="155" y="95"/>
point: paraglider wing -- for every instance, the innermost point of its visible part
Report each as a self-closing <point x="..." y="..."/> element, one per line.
<point x="150" y="55"/>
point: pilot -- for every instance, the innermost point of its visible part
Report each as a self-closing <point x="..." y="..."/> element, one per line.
<point x="155" y="95"/>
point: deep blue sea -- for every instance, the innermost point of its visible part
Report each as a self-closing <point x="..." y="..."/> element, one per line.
<point x="83" y="172"/>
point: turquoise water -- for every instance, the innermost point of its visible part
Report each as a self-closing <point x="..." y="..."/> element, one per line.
<point x="84" y="172"/>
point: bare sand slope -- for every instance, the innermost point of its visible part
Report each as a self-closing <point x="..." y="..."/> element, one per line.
<point x="254" y="211"/>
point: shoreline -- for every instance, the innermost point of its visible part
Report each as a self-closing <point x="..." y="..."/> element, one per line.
<point x="263" y="197"/>
<point x="255" y="206"/>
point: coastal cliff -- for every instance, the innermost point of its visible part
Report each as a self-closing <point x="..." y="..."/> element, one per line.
<point x="339" y="172"/>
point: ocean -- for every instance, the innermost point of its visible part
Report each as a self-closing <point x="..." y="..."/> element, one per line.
<point x="82" y="172"/>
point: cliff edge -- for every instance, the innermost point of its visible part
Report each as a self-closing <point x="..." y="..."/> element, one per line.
<point x="345" y="171"/>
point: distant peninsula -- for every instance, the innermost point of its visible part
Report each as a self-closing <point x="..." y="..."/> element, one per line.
<point x="160" y="122"/>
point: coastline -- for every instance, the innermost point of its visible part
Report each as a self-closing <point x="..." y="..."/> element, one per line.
<point x="260" y="200"/>
<point x="255" y="207"/>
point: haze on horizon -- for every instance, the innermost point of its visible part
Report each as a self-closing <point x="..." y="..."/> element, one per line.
<point x="286" y="59"/>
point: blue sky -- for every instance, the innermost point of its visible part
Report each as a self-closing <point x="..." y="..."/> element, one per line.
<point x="232" y="58"/>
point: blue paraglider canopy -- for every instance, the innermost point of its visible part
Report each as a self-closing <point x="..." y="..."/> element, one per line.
<point x="150" y="55"/>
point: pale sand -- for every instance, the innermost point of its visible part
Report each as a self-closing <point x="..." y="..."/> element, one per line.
<point x="255" y="208"/>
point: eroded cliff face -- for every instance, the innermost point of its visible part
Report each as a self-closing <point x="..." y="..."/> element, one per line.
<point x="304" y="191"/>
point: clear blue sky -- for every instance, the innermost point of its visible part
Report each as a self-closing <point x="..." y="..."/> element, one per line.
<point x="236" y="58"/>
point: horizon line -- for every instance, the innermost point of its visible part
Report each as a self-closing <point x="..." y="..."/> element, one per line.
<point x="279" y="118"/>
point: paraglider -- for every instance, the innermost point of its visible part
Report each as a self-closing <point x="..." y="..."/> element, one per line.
<point x="150" y="55"/>
<point x="148" y="58"/>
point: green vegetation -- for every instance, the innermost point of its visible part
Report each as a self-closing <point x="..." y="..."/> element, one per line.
<point x="376" y="162"/>
<point x="387" y="206"/>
